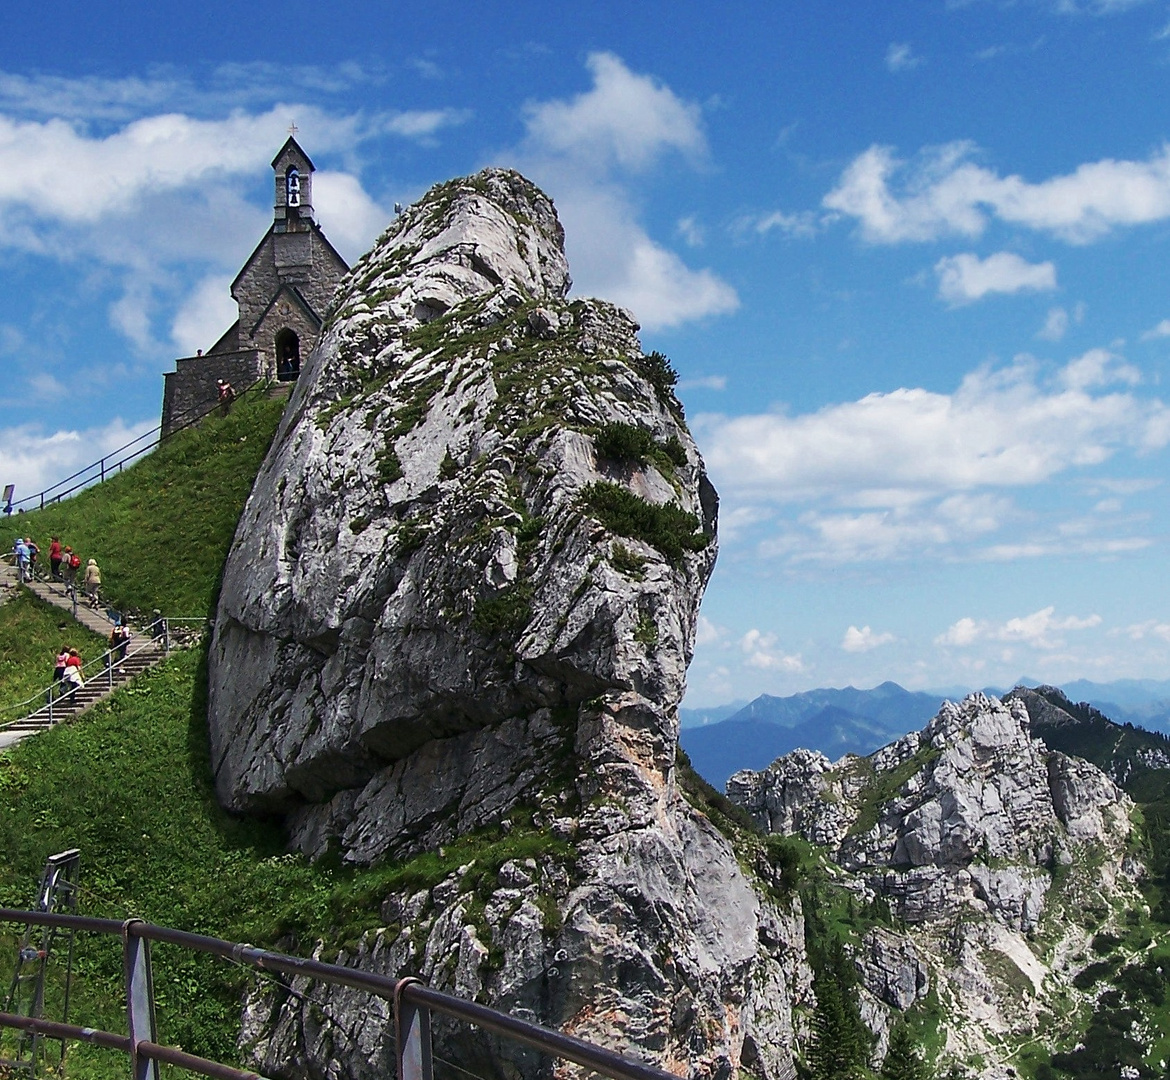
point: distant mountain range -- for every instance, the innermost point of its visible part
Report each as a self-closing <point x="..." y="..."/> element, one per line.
<point x="724" y="739"/>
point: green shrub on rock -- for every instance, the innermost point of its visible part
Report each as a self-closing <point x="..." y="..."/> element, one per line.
<point x="668" y="527"/>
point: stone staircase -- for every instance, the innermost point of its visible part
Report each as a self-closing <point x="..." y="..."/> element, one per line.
<point x="142" y="652"/>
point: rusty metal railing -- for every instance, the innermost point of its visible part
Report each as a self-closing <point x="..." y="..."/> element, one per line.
<point x="412" y="1002"/>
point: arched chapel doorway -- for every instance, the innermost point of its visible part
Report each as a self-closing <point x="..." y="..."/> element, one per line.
<point x="288" y="355"/>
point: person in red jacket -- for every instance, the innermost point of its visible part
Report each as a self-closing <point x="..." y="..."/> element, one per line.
<point x="73" y="678"/>
<point x="55" y="558"/>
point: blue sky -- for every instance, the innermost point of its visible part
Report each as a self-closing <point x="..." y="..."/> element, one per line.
<point x="909" y="259"/>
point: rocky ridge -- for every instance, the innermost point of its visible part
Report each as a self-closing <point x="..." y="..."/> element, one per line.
<point x="458" y="611"/>
<point x="998" y="859"/>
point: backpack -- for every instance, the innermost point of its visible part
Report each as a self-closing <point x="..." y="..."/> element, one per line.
<point x="74" y="560"/>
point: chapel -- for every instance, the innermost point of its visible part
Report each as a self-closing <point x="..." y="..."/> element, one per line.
<point x="281" y="295"/>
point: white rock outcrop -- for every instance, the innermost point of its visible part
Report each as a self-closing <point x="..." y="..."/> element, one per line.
<point x="452" y="605"/>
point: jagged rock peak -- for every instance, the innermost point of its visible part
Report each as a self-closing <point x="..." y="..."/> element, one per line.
<point x="493" y="230"/>
<point x="969" y="811"/>
<point x="460" y="603"/>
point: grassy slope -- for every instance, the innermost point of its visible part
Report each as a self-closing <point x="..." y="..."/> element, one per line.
<point x="130" y="783"/>
<point x="31" y="634"/>
<point x="160" y="531"/>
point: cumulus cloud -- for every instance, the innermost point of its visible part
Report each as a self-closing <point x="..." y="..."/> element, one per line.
<point x="900" y="57"/>
<point x="1150" y="628"/>
<point x="1160" y="331"/>
<point x="625" y="120"/>
<point x="1055" y="325"/>
<point x="803" y="224"/>
<point x="116" y="197"/>
<point x="204" y="315"/>
<point x="1001" y="427"/>
<point x="964" y="278"/>
<point x="943" y="192"/>
<point x="32" y="458"/>
<point x="918" y="472"/>
<point x="708" y="633"/>
<point x="760" y="652"/>
<point x="584" y="150"/>
<point x="1037" y="630"/>
<point x="704" y="382"/>
<point x="864" y="640"/>
<point x="1099" y="367"/>
<point x="354" y="218"/>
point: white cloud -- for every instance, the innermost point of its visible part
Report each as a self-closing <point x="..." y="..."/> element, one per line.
<point x="943" y="193"/>
<point x="1036" y="630"/>
<point x="204" y="315"/>
<point x="626" y="121"/>
<point x="864" y="640"/>
<point x="32" y="459"/>
<point x="1160" y="331"/>
<point x="1099" y="367"/>
<point x="708" y="633"/>
<point x="961" y="633"/>
<point x="354" y="219"/>
<point x="1000" y="428"/>
<point x="704" y="382"/>
<point x="900" y="57"/>
<point x="579" y="150"/>
<point x="1055" y="325"/>
<point x="760" y="650"/>
<point x="1150" y="628"/>
<point x="915" y="473"/>
<point x="802" y="224"/>
<point x="966" y="277"/>
<point x="690" y="230"/>
<point x="422" y="124"/>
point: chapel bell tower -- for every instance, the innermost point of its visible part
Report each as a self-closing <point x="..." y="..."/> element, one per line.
<point x="294" y="188"/>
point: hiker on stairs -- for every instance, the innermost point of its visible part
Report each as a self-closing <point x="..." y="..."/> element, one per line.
<point x="119" y="640"/>
<point x="20" y="548"/>
<point x="55" y="558"/>
<point x="93" y="582"/>
<point x="73" y="678"/>
<point x="59" y="672"/>
<point x="69" y="565"/>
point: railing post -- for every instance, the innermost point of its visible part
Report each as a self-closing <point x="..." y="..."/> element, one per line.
<point x="140" y="1023"/>
<point x="412" y="1031"/>
<point x="166" y="637"/>
<point x="102" y="466"/>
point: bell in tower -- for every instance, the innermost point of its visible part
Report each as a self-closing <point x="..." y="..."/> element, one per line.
<point x="294" y="188"/>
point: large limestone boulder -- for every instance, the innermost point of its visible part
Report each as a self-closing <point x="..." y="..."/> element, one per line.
<point x="971" y="812"/>
<point x="463" y="596"/>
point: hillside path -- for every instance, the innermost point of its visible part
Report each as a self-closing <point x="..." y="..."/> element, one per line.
<point x="142" y="652"/>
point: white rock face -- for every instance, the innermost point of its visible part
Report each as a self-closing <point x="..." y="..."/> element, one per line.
<point x="433" y="620"/>
<point x="973" y="814"/>
<point x="985" y="844"/>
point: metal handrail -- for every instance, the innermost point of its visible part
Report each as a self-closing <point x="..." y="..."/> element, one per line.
<point x="412" y="1002"/>
<point x="156" y="435"/>
<point x="108" y="667"/>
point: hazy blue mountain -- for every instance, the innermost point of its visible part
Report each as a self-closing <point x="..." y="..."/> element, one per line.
<point x="888" y="703"/>
<point x="718" y="750"/>
<point x="724" y="739"/>
<point x="689" y="718"/>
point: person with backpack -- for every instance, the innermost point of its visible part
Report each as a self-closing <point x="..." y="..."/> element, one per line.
<point x="33" y="552"/>
<point x="93" y="582"/>
<point x="55" y="558"/>
<point x="70" y="563"/>
<point x="20" y="549"/>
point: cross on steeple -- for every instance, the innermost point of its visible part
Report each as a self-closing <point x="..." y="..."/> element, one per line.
<point x="292" y="127"/>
